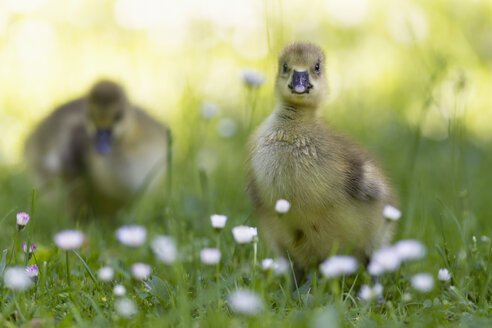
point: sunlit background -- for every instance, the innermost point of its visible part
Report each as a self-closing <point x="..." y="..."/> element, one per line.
<point x="418" y="62"/>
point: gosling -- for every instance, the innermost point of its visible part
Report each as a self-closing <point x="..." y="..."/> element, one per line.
<point x="336" y="190"/>
<point x="112" y="146"/>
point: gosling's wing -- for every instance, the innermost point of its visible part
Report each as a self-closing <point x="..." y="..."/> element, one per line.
<point x="55" y="146"/>
<point x="363" y="180"/>
<point x="361" y="176"/>
<point x="152" y="128"/>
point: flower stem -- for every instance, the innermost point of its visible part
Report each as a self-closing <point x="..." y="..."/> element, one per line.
<point x="18" y="307"/>
<point x="14" y="244"/>
<point x="68" y="268"/>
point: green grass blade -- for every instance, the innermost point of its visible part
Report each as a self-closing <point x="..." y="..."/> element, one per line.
<point x="3" y="263"/>
<point x="86" y="267"/>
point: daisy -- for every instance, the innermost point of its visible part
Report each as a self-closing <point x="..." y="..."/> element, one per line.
<point x="32" y="248"/>
<point x="22" y="220"/>
<point x="385" y="259"/>
<point x="105" y="274"/>
<point x="69" y="239"/>
<point x="368" y="293"/>
<point x="17" y="278"/>
<point x="131" y="235"/>
<point x="422" y="282"/>
<point x="245" y="302"/>
<point x="280" y="266"/>
<point x="209" y="109"/>
<point x="244" y="234"/>
<point x="282" y="206"/>
<point x="391" y="213"/>
<point x="119" y="290"/>
<point x="226" y="127"/>
<point x="165" y="249"/>
<point x="443" y="275"/>
<point x="252" y="77"/>
<point x="267" y="264"/>
<point x="338" y="265"/>
<point x="141" y="271"/>
<point x="125" y="307"/>
<point x="210" y="256"/>
<point x="218" y="221"/>
<point x="410" y="249"/>
<point x="33" y="272"/>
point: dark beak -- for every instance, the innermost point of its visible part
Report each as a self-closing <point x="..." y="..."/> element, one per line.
<point x="103" y="141"/>
<point x="300" y="82"/>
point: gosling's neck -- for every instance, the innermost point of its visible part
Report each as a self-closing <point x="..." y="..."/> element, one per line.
<point x="295" y="113"/>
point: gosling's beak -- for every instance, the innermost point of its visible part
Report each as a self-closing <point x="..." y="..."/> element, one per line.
<point x="103" y="141"/>
<point x="300" y="82"/>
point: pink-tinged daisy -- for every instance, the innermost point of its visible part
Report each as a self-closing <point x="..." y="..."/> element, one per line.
<point x="32" y="248"/>
<point x="22" y="220"/>
<point x="33" y="272"/>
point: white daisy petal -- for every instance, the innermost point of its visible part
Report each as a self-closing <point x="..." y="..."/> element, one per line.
<point x="244" y="234"/>
<point x="165" y="249"/>
<point x="368" y="293"/>
<point x="210" y="256"/>
<point x="391" y="213"/>
<point x="218" y="221"/>
<point x="245" y="302"/>
<point x="252" y="77"/>
<point x="410" y="249"/>
<point x="444" y="275"/>
<point x="119" y="290"/>
<point x="267" y="264"/>
<point x="141" y="271"/>
<point x="125" y="307"/>
<point x="385" y="259"/>
<point x="338" y="265"/>
<point x="17" y="278"/>
<point x="282" y="206"/>
<point x="105" y="274"/>
<point x="422" y="282"/>
<point x="69" y="239"/>
<point x="131" y="235"/>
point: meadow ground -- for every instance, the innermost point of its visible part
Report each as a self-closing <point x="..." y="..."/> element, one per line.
<point x="443" y="187"/>
<point x="409" y="81"/>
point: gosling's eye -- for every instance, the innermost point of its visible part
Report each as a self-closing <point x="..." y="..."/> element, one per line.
<point x="285" y="68"/>
<point x="316" y="68"/>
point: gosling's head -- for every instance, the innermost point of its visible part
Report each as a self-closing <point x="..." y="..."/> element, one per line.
<point x="301" y="80"/>
<point x="107" y="108"/>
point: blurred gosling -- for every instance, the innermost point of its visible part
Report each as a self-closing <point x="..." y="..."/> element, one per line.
<point x="103" y="142"/>
<point x="336" y="190"/>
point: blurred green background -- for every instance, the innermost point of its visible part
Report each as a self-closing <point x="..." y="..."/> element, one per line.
<point x="385" y="58"/>
<point x="410" y="80"/>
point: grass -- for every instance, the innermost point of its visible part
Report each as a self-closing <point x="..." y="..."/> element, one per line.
<point x="421" y="109"/>
<point x="442" y="187"/>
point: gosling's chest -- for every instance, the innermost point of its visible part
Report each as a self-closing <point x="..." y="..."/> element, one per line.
<point x="286" y="165"/>
<point x="120" y="175"/>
